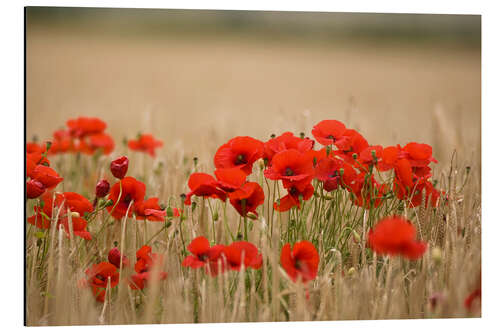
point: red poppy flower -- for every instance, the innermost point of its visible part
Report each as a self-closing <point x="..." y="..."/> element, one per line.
<point x="239" y="152"/>
<point x="131" y="189"/>
<point x="242" y="254"/>
<point x="115" y="257"/>
<point x="79" y="227"/>
<point x="327" y="132"/>
<point x="368" y="192"/>
<point x="33" y="147"/>
<point x="34" y="159"/>
<point x="204" y="255"/>
<point x="72" y="201"/>
<point x="119" y="167"/>
<point x="90" y="144"/>
<point x="371" y="155"/>
<point x="328" y="171"/>
<point x="84" y="126"/>
<point x="62" y="142"/>
<point x="292" y="199"/>
<point x="149" y="209"/>
<point x="102" y="188"/>
<point x="98" y="277"/>
<point x="46" y="175"/>
<point x="301" y="262"/>
<point x="203" y="185"/>
<point x="284" y="142"/>
<point x="246" y="199"/>
<point x="145" y="143"/>
<point x="396" y="236"/>
<point x="290" y="165"/>
<point x="231" y="179"/>
<point x="34" y="189"/>
<point x="351" y="143"/>
<point x="146" y="261"/>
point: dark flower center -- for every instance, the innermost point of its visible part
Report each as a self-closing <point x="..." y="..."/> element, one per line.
<point x="240" y="159"/>
<point x="289" y="172"/>
<point x="331" y="137"/>
<point x="203" y="257"/>
<point x="100" y="277"/>
<point x="297" y="264"/>
<point x="127" y="198"/>
<point x="293" y="191"/>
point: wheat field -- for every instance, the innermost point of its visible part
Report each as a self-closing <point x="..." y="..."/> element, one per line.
<point x="195" y="95"/>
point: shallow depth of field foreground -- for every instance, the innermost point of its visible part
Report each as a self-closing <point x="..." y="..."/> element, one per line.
<point x="200" y="176"/>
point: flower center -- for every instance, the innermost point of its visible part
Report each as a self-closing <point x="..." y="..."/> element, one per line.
<point x="289" y="172"/>
<point x="240" y="159"/>
<point x="127" y="198"/>
<point x="331" y="137"/>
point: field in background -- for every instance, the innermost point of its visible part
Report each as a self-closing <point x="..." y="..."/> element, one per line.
<point x="196" y="90"/>
<point x="190" y="87"/>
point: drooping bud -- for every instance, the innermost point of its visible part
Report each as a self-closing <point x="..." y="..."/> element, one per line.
<point x="75" y="214"/>
<point x="251" y="216"/>
<point x="114" y="258"/>
<point x="119" y="167"/>
<point x="102" y="188"/>
<point x="34" y="189"/>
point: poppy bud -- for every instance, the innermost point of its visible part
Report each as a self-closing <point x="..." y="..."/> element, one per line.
<point x="261" y="163"/>
<point x="215" y="216"/>
<point x="170" y="212"/>
<point x="119" y="167"/>
<point x="102" y="188"/>
<point x="75" y="214"/>
<point x="195" y="160"/>
<point x="436" y="255"/>
<point x="34" y="189"/>
<point x="351" y="271"/>
<point x="114" y="258"/>
<point x="251" y="216"/>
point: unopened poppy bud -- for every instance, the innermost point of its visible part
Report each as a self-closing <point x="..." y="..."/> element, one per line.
<point x="467" y="169"/>
<point x="251" y="216"/>
<point x="114" y="258"/>
<point x="75" y="214"/>
<point x="48" y="144"/>
<point x="108" y="203"/>
<point x="170" y="212"/>
<point x="195" y="160"/>
<point x="34" y="189"/>
<point x="436" y="255"/>
<point x="119" y="167"/>
<point x="102" y="188"/>
<point x="215" y="216"/>
<point x="193" y="206"/>
<point x="351" y="271"/>
<point x="261" y="164"/>
<point x="356" y="236"/>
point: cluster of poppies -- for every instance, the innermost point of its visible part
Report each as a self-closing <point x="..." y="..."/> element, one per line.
<point x="87" y="135"/>
<point x="41" y="177"/>
<point x="105" y="273"/>
<point x="128" y="195"/>
<point x="346" y="160"/>
<point x="301" y="261"/>
<point x="61" y="208"/>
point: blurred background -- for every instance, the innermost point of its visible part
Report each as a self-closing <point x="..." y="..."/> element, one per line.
<point x="198" y="77"/>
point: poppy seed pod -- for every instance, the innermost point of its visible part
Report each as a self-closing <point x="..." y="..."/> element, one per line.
<point x="102" y="188"/>
<point x="119" y="167"/>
